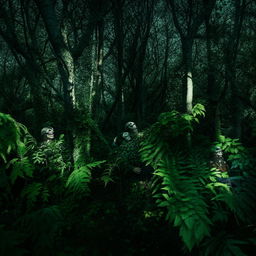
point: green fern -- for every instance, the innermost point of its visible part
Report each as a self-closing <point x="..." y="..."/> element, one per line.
<point x="186" y="206"/>
<point x="241" y="202"/>
<point x="49" y="155"/>
<point x="14" y="137"/>
<point x="192" y="194"/>
<point x="198" y="110"/>
<point x="224" y="244"/>
<point x="189" y="190"/>
<point x="31" y="193"/>
<point x="238" y="157"/>
<point x="107" y="175"/>
<point x="78" y="181"/>
<point x="20" y="168"/>
<point x="181" y="181"/>
<point x="11" y="242"/>
<point x="39" y="157"/>
<point x="244" y="200"/>
<point x="9" y="136"/>
<point x="42" y="227"/>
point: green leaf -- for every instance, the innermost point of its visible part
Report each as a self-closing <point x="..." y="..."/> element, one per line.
<point x="21" y="168"/>
<point x="31" y="193"/>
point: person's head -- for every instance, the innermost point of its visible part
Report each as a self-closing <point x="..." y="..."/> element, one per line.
<point x="47" y="133"/>
<point x="218" y="152"/>
<point x="131" y="127"/>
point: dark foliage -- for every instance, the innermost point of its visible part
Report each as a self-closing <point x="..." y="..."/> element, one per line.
<point x="182" y="182"/>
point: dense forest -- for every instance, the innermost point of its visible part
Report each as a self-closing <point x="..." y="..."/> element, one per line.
<point x="127" y="127"/>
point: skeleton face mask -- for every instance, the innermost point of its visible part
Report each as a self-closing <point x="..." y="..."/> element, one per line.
<point x="130" y="126"/>
<point x="218" y="152"/>
<point x="47" y="133"/>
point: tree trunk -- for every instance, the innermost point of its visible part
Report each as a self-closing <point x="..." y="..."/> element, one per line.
<point x="119" y="79"/>
<point x="85" y="79"/>
<point x="65" y="64"/>
<point x="98" y="80"/>
<point x="212" y="108"/>
<point x="140" y="90"/>
<point x="235" y="102"/>
<point x="187" y="44"/>
<point x="231" y="56"/>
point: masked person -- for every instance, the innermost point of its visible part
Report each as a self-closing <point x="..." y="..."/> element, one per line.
<point x="49" y="153"/>
<point x="128" y="143"/>
<point x="221" y="165"/>
<point x="132" y="129"/>
<point x="218" y="161"/>
<point x="48" y="134"/>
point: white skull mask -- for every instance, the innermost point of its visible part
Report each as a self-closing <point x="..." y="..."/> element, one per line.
<point x="218" y="152"/>
<point x="48" y="133"/>
<point x="130" y="126"/>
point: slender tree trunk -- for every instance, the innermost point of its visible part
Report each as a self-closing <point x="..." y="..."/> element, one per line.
<point x="118" y="24"/>
<point x="98" y="80"/>
<point x="65" y="64"/>
<point x="187" y="35"/>
<point x="94" y="65"/>
<point x="85" y="80"/>
<point x="213" y="113"/>
<point x="217" y="124"/>
<point x="36" y="82"/>
<point x="140" y="89"/>
<point x="187" y="45"/>
<point x="164" y="79"/>
<point x="236" y="102"/>
<point x="231" y="56"/>
<point x="189" y="100"/>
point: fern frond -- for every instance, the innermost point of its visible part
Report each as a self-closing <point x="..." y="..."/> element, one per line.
<point x="186" y="207"/>
<point x="31" y="193"/>
<point x="79" y="179"/>
<point x="95" y="164"/>
<point x="244" y="200"/>
<point x="106" y="177"/>
<point x="42" y="226"/>
<point x="10" y="242"/>
<point x="198" y="110"/>
<point x="9" y="135"/>
<point x="224" y="244"/>
<point x="20" y="168"/>
<point x="182" y="176"/>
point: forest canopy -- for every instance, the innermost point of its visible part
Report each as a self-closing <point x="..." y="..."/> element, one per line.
<point x="127" y="127"/>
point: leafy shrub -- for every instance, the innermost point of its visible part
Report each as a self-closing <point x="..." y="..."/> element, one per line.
<point x="79" y="179"/>
<point x="190" y="190"/>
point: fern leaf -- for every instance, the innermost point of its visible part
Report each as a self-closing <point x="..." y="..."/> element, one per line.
<point x="31" y="193"/>
<point x="11" y="242"/>
<point x="95" y="164"/>
<point x="42" y="226"/>
<point x="224" y="244"/>
<point x="9" y="135"/>
<point x="78" y="180"/>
